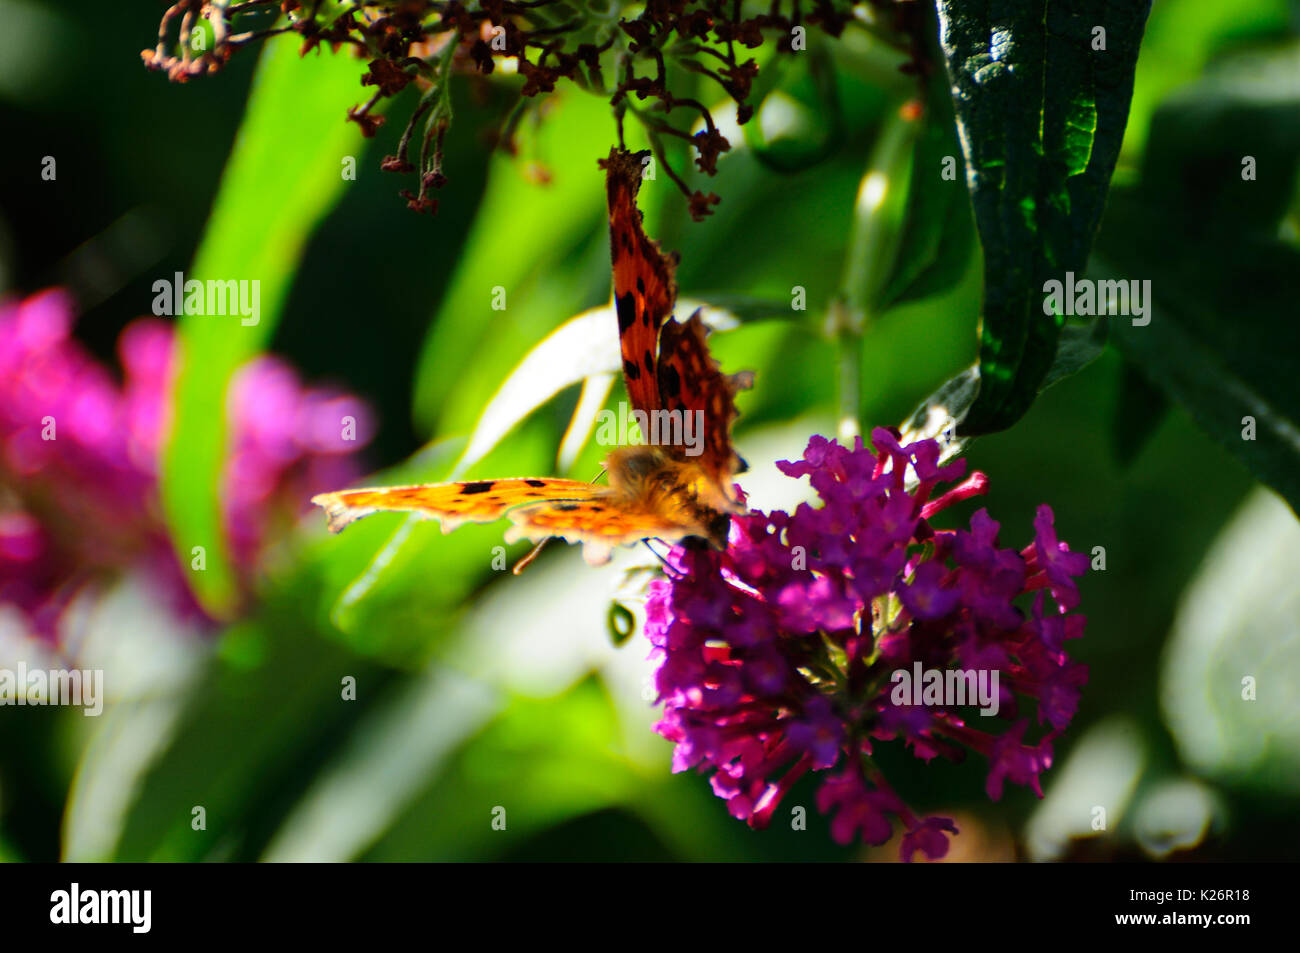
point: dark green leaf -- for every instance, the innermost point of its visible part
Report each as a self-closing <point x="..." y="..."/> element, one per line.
<point x="1078" y="346"/>
<point x="938" y="233"/>
<point x="1214" y="343"/>
<point x="1206" y="234"/>
<point x="1042" y="115"/>
<point x="940" y="416"/>
<point x="248" y="742"/>
<point x="1140" y="409"/>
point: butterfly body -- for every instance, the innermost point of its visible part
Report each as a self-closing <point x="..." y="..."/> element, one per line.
<point x="668" y="491"/>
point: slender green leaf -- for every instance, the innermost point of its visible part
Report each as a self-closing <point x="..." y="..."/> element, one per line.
<point x="282" y="178"/>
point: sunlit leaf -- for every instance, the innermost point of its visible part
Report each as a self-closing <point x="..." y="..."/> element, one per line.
<point x="583" y="347"/>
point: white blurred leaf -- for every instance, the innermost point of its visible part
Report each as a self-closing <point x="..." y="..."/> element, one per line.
<point x="585" y="346"/>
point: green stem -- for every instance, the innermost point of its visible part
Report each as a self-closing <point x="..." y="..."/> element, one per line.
<point x="848" y="343"/>
<point x="873" y="247"/>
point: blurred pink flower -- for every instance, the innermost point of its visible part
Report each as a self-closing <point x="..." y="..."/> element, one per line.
<point x="79" y="457"/>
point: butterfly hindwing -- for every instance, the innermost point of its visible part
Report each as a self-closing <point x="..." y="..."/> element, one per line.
<point x="599" y="524"/>
<point x="474" y="501"/>
<point x="692" y="383"/>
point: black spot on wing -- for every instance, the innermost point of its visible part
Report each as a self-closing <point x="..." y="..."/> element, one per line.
<point x="536" y="483"/>
<point x="566" y="507"/>
<point x="649" y="361"/>
<point x="640" y="284"/>
<point x="670" y="382"/>
<point x="626" y="307"/>
<point x="480" y="487"/>
<point x="631" y="371"/>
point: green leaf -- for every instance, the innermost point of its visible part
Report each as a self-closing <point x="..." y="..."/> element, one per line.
<point x="247" y="742"/>
<point x="1138" y="413"/>
<point x="1212" y="344"/>
<point x="940" y="416"/>
<point x="879" y="216"/>
<point x="582" y="347"/>
<point x="1077" y="347"/>
<point x="282" y="178"/>
<point x="539" y="763"/>
<point x="938" y="234"/>
<point x="1042" y="115"/>
<point x="1225" y="149"/>
<point x="1240" y="615"/>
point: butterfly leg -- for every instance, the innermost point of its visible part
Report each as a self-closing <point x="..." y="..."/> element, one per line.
<point x="532" y="554"/>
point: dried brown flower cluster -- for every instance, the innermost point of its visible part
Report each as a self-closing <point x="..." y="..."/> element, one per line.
<point x="429" y="41"/>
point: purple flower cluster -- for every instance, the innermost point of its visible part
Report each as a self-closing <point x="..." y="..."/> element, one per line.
<point x="781" y="654"/>
<point x="79" y="456"/>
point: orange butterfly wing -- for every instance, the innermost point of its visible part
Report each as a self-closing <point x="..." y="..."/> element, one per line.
<point x="691" y="382"/>
<point x="539" y="508"/>
<point x="644" y="288"/>
<point x="473" y="501"/>
<point x="599" y="524"/>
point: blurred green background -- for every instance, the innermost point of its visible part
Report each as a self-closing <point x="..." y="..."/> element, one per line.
<point x="477" y="690"/>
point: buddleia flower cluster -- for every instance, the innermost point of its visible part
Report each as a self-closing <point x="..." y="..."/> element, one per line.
<point x="779" y="656"/>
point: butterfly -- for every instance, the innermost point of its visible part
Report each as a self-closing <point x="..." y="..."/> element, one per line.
<point x="672" y="491"/>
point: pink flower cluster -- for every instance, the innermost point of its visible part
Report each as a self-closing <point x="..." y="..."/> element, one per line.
<point x="780" y="655"/>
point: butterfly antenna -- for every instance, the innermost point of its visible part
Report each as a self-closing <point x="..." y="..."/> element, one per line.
<point x="523" y="563"/>
<point x="669" y="568"/>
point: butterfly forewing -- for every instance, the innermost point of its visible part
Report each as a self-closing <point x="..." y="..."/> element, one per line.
<point x="475" y="501"/>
